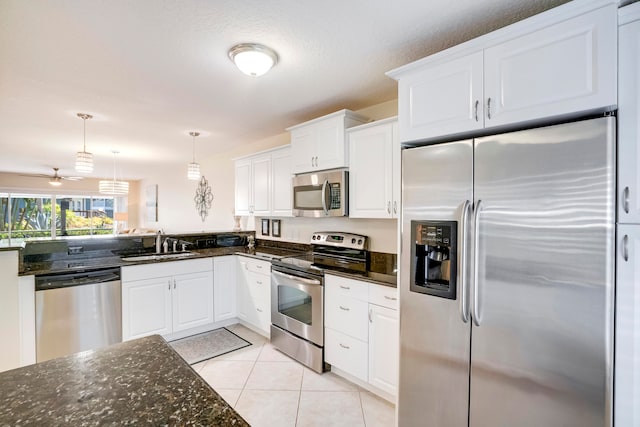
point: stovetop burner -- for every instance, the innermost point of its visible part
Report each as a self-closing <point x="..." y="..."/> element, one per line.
<point x="339" y="251"/>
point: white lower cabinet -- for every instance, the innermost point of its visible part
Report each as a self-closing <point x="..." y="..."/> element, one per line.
<point x="167" y="297"/>
<point x="361" y="331"/>
<point x="224" y="287"/>
<point x="383" y="336"/>
<point x="254" y="293"/>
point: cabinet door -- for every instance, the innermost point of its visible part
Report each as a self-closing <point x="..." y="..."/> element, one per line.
<point x="192" y="300"/>
<point x="566" y="68"/>
<point x="627" y="351"/>
<point x="242" y="289"/>
<point x="281" y="190"/>
<point x="303" y="149"/>
<point x="330" y="144"/>
<point x="243" y="187"/>
<point x="629" y="124"/>
<point x="260" y="302"/>
<point x="384" y="348"/>
<point x="442" y="99"/>
<point x="224" y="287"/>
<point x="261" y="184"/>
<point x="346" y="353"/>
<point x="396" y="183"/>
<point x="371" y="172"/>
<point x="146" y="308"/>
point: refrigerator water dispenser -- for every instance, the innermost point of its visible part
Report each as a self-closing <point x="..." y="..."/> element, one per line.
<point x="434" y="260"/>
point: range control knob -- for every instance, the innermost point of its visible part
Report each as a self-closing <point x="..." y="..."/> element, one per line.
<point x="313" y="237"/>
<point x="359" y="241"/>
<point x="353" y="241"/>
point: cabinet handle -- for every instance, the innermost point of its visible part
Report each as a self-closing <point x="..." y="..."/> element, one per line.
<point x="169" y="284"/>
<point x="344" y="346"/>
<point x="625" y="247"/>
<point x="395" y="207"/>
<point x="391" y="298"/>
<point x="258" y="282"/>
<point x="259" y="266"/>
<point x="259" y="310"/>
<point x="174" y="283"/>
<point x="625" y="199"/>
<point x="389" y="207"/>
<point x="489" y="108"/>
<point x="370" y="319"/>
<point x="344" y="308"/>
<point x="316" y="161"/>
<point x="345" y="287"/>
<point x="476" y="109"/>
<point x="312" y="161"/>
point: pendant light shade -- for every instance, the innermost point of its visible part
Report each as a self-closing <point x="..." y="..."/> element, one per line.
<point x="193" y="170"/>
<point x="253" y="59"/>
<point x="84" y="160"/>
<point x="113" y="187"/>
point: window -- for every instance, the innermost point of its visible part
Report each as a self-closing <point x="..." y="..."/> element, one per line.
<point x="30" y="215"/>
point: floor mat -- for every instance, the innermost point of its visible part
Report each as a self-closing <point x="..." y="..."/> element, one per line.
<point x="208" y="345"/>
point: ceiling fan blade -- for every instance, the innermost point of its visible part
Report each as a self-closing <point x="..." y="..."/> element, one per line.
<point x="35" y="175"/>
<point x="72" y="178"/>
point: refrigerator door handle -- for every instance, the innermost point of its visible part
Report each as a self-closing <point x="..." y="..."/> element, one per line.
<point x="464" y="303"/>
<point x="475" y="307"/>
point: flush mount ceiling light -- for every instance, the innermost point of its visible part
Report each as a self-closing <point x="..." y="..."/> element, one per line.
<point x="114" y="186"/>
<point x="193" y="170"/>
<point x="84" y="160"/>
<point x="253" y="59"/>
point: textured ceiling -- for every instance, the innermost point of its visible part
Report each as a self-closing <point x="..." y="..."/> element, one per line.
<point x="150" y="71"/>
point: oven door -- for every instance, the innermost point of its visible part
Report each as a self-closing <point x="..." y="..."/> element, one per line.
<point x="297" y="306"/>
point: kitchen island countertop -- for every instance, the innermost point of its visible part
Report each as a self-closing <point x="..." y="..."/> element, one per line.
<point x="141" y="381"/>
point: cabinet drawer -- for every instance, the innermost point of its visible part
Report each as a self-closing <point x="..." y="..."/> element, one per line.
<point x="259" y="287"/>
<point x="344" y="287"/>
<point x="384" y="296"/>
<point x="347" y="315"/>
<point x="346" y="353"/>
<point x="257" y="266"/>
<point x="161" y="269"/>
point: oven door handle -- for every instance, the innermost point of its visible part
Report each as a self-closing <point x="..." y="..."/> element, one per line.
<point x="297" y="279"/>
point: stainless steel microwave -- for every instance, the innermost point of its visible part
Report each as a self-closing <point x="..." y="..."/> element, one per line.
<point x="321" y="194"/>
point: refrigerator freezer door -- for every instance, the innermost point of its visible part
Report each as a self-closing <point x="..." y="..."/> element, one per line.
<point x="542" y="355"/>
<point x="434" y="341"/>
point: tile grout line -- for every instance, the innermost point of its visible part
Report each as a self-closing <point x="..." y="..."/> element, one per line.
<point x="364" y="420"/>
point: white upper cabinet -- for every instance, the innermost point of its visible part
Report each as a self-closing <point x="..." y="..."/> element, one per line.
<point x="562" y="69"/>
<point x="243" y="188"/>
<point x="281" y="193"/>
<point x="321" y="143"/>
<point x="442" y="99"/>
<point x="263" y="183"/>
<point x="629" y="116"/>
<point x="561" y="63"/>
<point x="374" y="172"/>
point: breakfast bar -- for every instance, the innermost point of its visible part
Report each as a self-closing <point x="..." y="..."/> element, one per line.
<point x="140" y="381"/>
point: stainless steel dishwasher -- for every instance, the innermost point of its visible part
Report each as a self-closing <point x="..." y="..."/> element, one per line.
<point x="77" y="311"/>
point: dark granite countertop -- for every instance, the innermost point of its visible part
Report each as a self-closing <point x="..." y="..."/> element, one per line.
<point x="88" y="264"/>
<point x="141" y="381"/>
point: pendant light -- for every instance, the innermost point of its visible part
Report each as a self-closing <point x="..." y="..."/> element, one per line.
<point x="253" y="59"/>
<point x="113" y="187"/>
<point x="193" y="170"/>
<point x="84" y="160"/>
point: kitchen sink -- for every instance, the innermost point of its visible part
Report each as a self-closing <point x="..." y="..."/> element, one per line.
<point x="159" y="257"/>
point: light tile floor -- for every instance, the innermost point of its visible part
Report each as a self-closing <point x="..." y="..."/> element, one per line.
<point x="269" y="389"/>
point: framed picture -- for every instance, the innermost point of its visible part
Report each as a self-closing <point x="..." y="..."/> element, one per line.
<point x="151" y="203"/>
<point x="265" y="227"/>
<point x="276" y="227"/>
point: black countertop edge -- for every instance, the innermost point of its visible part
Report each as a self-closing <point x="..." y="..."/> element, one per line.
<point x="143" y="381"/>
<point x="388" y="280"/>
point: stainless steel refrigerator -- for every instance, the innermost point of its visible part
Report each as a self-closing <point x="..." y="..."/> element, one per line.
<point x="507" y="279"/>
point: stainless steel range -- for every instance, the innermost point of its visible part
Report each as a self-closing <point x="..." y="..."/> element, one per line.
<point x="297" y="294"/>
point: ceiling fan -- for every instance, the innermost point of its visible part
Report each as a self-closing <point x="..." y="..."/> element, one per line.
<point x="55" y="179"/>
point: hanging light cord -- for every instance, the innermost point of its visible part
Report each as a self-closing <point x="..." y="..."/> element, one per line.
<point x="84" y="135"/>
<point x="194" y="146"/>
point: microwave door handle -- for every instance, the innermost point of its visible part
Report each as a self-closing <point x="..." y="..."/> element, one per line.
<point x="325" y="185"/>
